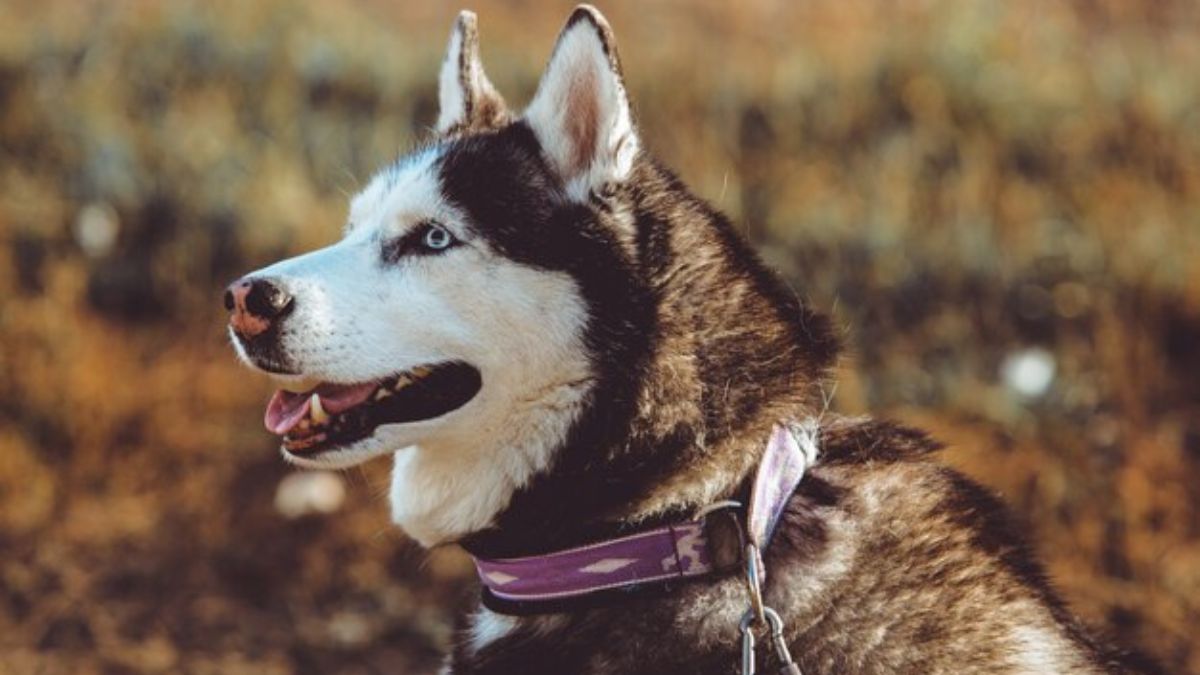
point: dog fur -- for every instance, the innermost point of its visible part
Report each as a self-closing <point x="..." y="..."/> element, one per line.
<point x="635" y="355"/>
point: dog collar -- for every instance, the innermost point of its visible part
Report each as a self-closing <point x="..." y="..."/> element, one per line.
<point x="657" y="556"/>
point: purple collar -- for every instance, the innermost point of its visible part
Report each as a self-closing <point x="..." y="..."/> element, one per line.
<point x="656" y="556"/>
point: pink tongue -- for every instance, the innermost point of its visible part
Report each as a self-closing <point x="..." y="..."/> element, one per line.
<point x="286" y="409"/>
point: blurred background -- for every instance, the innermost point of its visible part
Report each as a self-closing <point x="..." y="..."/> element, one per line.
<point x="1000" y="202"/>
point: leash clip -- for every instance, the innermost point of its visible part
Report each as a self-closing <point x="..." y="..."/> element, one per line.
<point x="760" y="613"/>
<point x="775" y="626"/>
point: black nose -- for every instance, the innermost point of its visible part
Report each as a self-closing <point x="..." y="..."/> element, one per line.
<point x="255" y="303"/>
<point x="267" y="300"/>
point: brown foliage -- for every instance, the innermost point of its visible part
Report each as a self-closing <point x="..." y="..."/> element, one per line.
<point x="963" y="182"/>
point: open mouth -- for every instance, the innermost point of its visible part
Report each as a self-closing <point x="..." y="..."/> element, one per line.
<point x="330" y="416"/>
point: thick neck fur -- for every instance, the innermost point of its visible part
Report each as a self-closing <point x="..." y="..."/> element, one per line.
<point x="685" y="396"/>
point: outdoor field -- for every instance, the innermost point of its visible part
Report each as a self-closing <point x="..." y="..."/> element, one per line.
<point x="999" y="203"/>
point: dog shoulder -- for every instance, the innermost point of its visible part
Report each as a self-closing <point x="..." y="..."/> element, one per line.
<point x="879" y="518"/>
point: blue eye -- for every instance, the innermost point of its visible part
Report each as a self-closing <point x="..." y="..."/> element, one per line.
<point x="437" y="238"/>
<point x="428" y="238"/>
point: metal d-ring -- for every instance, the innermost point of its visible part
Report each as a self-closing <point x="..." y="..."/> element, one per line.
<point x="716" y="506"/>
<point x="771" y="618"/>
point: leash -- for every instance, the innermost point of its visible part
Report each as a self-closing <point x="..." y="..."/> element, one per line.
<point x="669" y="553"/>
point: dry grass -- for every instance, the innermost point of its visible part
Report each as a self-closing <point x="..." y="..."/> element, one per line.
<point x="961" y="181"/>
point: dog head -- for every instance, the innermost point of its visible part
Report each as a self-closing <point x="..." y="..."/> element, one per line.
<point x="535" y="318"/>
<point x="450" y="324"/>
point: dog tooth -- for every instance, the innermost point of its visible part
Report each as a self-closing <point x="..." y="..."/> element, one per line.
<point x="402" y="381"/>
<point x="382" y="394"/>
<point x="318" y="413"/>
<point x="419" y="372"/>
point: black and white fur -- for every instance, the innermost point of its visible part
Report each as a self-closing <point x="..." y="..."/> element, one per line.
<point x="635" y="354"/>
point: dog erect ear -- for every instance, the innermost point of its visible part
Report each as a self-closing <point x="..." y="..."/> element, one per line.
<point x="581" y="114"/>
<point x="467" y="98"/>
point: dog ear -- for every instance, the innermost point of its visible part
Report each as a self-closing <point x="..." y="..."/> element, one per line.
<point x="467" y="98"/>
<point x="581" y="113"/>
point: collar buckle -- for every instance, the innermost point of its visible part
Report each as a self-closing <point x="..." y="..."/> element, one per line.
<point x="724" y="533"/>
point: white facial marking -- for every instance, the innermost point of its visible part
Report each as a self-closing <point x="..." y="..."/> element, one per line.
<point x="360" y="319"/>
<point x="536" y="381"/>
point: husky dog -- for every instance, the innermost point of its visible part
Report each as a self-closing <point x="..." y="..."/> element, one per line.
<point x="556" y="341"/>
